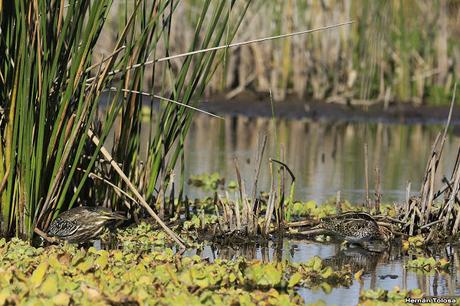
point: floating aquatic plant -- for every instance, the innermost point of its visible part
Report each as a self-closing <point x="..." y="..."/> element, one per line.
<point x="64" y="274"/>
<point x="428" y="264"/>
<point x="396" y="296"/>
<point x="206" y="181"/>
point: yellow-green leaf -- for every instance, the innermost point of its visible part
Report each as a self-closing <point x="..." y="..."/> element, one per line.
<point x="39" y="274"/>
<point x="61" y="299"/>
<point x="50" y="285"/>
<point x="295" y="279"/>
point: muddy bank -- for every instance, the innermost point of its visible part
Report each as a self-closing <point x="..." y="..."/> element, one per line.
<point x="253" y="105"/>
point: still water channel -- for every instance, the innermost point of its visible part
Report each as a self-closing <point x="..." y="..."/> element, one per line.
<point x="324" y="156"/>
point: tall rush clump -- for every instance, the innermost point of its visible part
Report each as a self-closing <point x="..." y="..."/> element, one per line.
<point x="44" y="51"/>
<point x="50" y="88"/>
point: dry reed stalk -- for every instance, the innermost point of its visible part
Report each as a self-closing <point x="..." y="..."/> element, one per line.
<point x="378" y="193"/>
<point x="452" y="199"/>
<point x="160" y="203"/>
<point x="237" y="213"/>
<point x="444" y="188"/>
<point x="279" y="209"/>
<point x="248" y="220"/>
<point x="366" y="176"/>
<point x="116" y="189"/>
<point x="44" y="235"/>
<point x="407" y="206"/>
<point x="338" y="204"/>
<point x="133" y="189"/>
<point x="271" y="202"/>
<point x="232" y="45"/>
<point x="258" y="160"/>
<point x="301" y="223"/>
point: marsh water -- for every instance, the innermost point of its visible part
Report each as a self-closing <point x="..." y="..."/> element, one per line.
<point x="380" y="270"/>
<point x="328" y="156"/>
<point x="325" y="157"/>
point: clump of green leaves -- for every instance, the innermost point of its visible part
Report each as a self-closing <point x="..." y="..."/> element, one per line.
<point x="414" y="243"/>
<point x="396" y="296"/>
<point x="211" y="182"/>
<point x="428" y="264"/>
<point x="311" y="209"/>
<point x="64" y="274"/>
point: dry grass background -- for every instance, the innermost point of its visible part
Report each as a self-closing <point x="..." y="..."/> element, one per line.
<point x="403" y="51"/>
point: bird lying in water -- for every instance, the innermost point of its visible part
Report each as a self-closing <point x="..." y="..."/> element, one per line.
<point x="357" y="228"/>
<point x="82" y="224"/>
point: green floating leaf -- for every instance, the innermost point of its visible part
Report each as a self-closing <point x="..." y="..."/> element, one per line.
<point x="295" y="279"/>
<point x="103" y="259"/>
<point x="78" y="257"/>
<point x="326" y="272"/>
<point x="86" y="265"/>
<point x="61" y="298"/>
<point x="39" y="274"/>
<point x="50" y="285"/>
<point x="4" y="295"/>
<point x="326" y="287"/>
<point x="264" y="275"/>
<point x="315" y="263"/>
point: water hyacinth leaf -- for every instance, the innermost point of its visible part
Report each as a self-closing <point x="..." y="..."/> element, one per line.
<point x="232" y="277"/>
<point x="267" y="275"/>
<point x="50" y="286"/>
<point x="373" y="294"/>
<point x="326" y="272"/>
<point x="396" y="294"/>
<point x="5" y="277"/>
<point x="54" y="263"/>
<point x="61" y="298"/>
<point x="295" y="279"/>
<point x="78" y="257"/>
<point x="5" y="293"/>
<point x="39" y="273"/>
<point x="315" y="264"/>
<point x="102" y="259"/>
<point x="358" y="274"/>
<point x="326" y="287"/>
<point x="86" y="265"/>
<point x="310" y="205"/>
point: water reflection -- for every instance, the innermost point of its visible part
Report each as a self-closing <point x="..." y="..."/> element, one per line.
<point x="325" y="156"/>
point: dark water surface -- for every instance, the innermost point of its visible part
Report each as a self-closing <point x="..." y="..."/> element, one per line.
<point x="324" y="156"/>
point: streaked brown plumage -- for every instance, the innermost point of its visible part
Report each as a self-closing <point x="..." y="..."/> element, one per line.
<point x="83" y="223"/>
<point x="359" y="228"/>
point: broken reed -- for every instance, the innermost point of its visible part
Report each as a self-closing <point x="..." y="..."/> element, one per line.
<point x="246" y="215"/>
<point x="395" y="51"/>
<point x="437" y="219"/>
